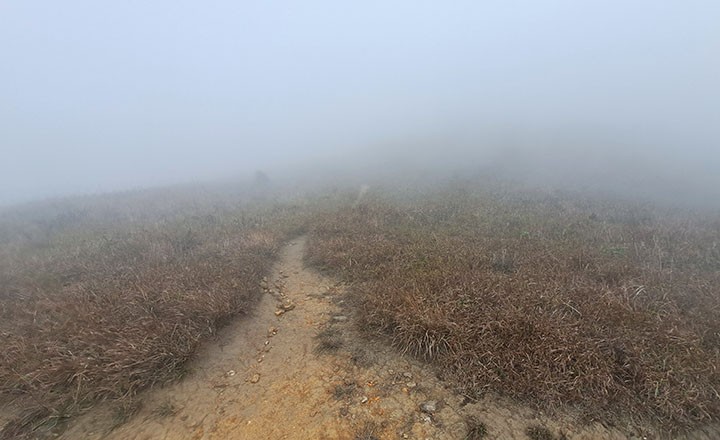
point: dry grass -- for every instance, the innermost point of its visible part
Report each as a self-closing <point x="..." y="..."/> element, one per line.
<point x="367" y="431"/>
<point x="603" y="306"/>
<point x="555" y="300"/>
<point x="328" y="341"/>
<point x="476" y="430"/>
<point x="102" y="298"/>
<point x="537" y="432"/>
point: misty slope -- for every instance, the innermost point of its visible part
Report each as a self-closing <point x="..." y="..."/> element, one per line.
<point x="557" y="301"/>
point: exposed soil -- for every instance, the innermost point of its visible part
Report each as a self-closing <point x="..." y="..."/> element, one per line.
<point x="298" y="369"/>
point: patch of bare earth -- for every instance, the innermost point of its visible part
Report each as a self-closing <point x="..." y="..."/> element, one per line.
<point x="298" y="369"/>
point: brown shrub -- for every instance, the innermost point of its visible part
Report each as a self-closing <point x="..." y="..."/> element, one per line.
<point x="103" y="308"/>
<point x="552" y="300"/>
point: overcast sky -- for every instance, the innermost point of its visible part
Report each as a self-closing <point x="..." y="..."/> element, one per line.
<point x="98" y="96"/>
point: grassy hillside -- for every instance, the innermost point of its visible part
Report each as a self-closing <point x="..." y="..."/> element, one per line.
<point x="554" y="299"/>
<point x="104" y="296"/>
<point x="559" y="300"/>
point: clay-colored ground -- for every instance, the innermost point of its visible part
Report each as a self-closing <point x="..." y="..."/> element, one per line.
<point x="270" y="376"/>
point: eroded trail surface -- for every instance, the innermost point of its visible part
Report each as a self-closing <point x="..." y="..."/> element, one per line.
<point x="297" y="369"/>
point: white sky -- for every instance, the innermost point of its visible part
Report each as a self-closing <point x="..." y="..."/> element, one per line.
<point x="98" y="95"/>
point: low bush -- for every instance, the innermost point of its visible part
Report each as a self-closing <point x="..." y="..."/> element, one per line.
<point x="102" y="301"/>
<point x="553" y="299"/>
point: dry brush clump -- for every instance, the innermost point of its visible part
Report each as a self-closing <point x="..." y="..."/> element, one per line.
<point x="93" y="307"/>
<point x="604" y="306"/>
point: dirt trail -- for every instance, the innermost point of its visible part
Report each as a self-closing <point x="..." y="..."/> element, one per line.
<point x="297" y="369"/>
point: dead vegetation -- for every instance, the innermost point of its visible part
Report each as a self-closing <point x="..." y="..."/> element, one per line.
<point x="537" y="432"/>
<point x="329" y="340"/>
<point x="604" y="306"/>
<point x="368" y="431"/>
<point x="556" y="300"/>
<point x="100" y="300"/>
<point x="476" y="430"/>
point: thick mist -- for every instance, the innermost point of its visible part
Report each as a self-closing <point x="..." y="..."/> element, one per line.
<point x="615" y="96"/>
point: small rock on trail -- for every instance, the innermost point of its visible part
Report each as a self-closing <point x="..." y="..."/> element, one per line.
<point x="428" y="407"/>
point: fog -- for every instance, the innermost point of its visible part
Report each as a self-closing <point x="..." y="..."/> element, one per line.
<point x="104" y="96"/>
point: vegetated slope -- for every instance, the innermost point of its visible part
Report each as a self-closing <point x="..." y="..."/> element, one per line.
<point x="560" y="301"/>
<point x="99" y="300"/>
<point x="296" y="368"/>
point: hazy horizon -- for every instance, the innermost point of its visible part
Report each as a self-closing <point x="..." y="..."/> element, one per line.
<point x="98" y="97"/>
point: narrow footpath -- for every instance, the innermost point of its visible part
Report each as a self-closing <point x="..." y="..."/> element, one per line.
<point x="297" y="368"/>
